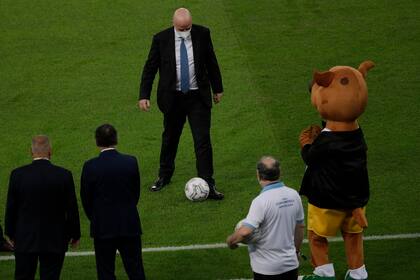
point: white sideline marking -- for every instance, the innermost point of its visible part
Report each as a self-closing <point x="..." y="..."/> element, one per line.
<point x="223" y="245"/>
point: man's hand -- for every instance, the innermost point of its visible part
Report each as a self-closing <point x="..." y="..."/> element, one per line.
<point x="7" y="246"/>
<point x="230" y="242"/>
<point x="74" y="243"/>
<point x="217" y="97"/>
<point x="238" y="236"/>
<point x="11" y="242"/>
<point x="144" y="105"/>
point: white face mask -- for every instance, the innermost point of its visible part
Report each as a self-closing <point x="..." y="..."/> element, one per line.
<point x="184" y="34"/>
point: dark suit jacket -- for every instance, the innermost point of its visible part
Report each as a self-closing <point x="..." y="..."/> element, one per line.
<point x="110" y="191"/>
<point x="41" y="212"/>
<point x="162" y="57"/>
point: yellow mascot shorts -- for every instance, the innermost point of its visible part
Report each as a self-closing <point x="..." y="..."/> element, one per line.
<point x="326" y="222"/>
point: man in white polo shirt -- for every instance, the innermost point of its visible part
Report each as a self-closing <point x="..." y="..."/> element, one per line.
<point x="277" y="213"/>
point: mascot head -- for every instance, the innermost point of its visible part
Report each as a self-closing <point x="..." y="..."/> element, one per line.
<point x="340" y="94"/>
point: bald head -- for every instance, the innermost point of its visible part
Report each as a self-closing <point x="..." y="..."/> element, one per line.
<point x="41" y="146"/>
<point x="268" y="169"/>
<point x="182" y="19"/>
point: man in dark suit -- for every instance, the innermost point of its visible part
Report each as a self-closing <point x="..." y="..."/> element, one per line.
<point x="110" y="191"/>
<point x="42" y="216"/>
<point x="188" y="67"/>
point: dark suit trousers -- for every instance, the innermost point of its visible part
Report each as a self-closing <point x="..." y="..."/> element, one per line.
<point x="191" y="106"/>
<point x="130" y="251"/>
<point x="50" y="265"/>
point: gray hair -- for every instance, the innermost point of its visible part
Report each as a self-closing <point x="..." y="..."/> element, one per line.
<point x="268" y="168"/>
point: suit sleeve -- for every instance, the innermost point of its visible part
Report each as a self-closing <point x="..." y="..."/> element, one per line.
<point x="136" y="179"/>
<point x="149" y="70"/>
<point x="213" y="68"/>
<point x="73" y="220"/>
<point x="85" y="192"/>
<point x="11" y="207"/>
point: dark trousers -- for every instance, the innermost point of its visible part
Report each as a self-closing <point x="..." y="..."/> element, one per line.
<point x="187" y="105"/>
<point x="50" y="265"/>
<point x="130" y="251"/>
<point x="289" y="275"/>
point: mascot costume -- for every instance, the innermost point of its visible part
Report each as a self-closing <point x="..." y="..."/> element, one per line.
<point x="336" y="178"/>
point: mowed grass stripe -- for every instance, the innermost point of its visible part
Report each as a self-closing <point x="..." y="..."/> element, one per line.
<point x="223" y="245"/>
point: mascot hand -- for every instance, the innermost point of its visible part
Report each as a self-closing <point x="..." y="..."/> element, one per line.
<point x="308" y="135"/>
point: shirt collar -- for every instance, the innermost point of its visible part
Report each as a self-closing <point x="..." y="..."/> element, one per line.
<point x="107" y="149"/>
<point x="41" y="158"/>
<point x="274" y="185"/>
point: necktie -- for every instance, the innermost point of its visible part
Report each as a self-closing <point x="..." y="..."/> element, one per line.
<point x="185" y="71"/>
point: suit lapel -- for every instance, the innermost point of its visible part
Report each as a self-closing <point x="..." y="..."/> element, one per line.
<point x="171" y="49"/>
<point x="195" y="45"/>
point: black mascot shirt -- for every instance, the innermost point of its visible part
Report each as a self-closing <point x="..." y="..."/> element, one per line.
<point x="336" y="176"/>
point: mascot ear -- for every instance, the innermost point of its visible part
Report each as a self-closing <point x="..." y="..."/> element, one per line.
<point x="365" y="66"/>
<point x="323" y="79"/>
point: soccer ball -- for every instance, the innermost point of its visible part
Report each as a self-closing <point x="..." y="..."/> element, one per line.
<point x="253" y="238"/>
<point x="196" y="189"/>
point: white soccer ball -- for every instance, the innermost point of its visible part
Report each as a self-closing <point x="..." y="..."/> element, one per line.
<point x="253" y="238"/>
<point x="196" y="189"/>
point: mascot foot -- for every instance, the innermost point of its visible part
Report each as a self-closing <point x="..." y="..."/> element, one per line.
<point x="348" y="277"/>
<point x="316" y="277"/>
<point x="357" y="274"/>
<point x="326" y="270"/>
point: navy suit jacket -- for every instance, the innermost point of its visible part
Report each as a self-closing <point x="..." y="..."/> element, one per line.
<point x="162" y="57"/>
<point x="110" y="191"/>
<point x="41" y="212"/>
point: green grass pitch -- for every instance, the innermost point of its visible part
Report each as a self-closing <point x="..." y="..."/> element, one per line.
<point x="69" y="66"/>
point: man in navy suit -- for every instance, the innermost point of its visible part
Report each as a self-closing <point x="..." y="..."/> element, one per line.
<point x="184" y="56"/>
<point x="42" y="216"/>
<point x="110" y="192"/>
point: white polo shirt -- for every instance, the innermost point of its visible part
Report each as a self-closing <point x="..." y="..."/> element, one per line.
<point x="275" y="212"/>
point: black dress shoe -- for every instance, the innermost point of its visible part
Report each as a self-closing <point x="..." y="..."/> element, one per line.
<point x="159" y="184"/>
<point x="216" y="195"/>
